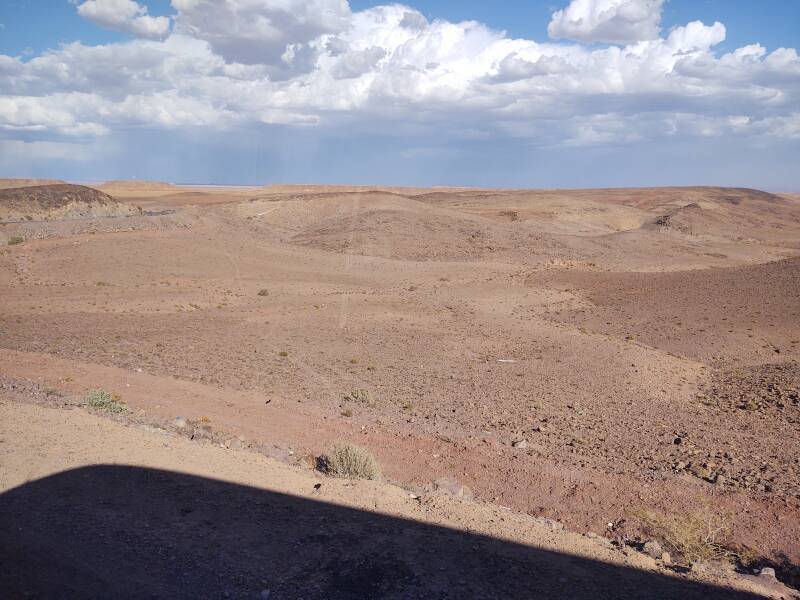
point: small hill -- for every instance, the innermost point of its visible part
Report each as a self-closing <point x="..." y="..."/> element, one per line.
<point x="60" y="201"/>
<point x="15" y="183"/>
<point x="376" y="224"/>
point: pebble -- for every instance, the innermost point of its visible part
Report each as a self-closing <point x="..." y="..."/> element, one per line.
<point x="521" y="444"/>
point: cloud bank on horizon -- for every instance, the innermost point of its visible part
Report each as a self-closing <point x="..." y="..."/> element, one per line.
<point x="608" y="75"/>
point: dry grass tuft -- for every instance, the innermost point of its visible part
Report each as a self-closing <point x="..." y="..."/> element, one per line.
<point x="349" y="460"/>
<point x="14" y="240"/>
<point x="689" y="537"/>
<point x="361" y="396"/>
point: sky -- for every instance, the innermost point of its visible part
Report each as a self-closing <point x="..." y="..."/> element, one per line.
<point x="580" y="93"/>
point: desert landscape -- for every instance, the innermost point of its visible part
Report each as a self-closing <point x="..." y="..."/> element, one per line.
<point x="580" y="370"/>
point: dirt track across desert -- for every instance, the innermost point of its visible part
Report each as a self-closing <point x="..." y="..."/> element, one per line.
<point x="575" y="355"/>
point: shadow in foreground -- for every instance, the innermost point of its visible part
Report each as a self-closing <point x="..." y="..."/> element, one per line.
<point x="129" y="532"/>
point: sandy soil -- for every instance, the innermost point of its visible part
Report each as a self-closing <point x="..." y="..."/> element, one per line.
<point x="155" y="514"/>
<point x="643" y="343"/>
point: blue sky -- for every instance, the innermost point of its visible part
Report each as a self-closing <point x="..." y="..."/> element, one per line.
<point x="576" y="94"/>
<point x="773" y="23"/>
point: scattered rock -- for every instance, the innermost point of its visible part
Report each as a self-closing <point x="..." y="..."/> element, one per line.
<point x="666" y="558"/>
<point x="521" y="444"/>
<point x="767" y="572"/>
<point x="180" y="423"/>
<point x="450" y="486"/>
<point x="653" y="549"/>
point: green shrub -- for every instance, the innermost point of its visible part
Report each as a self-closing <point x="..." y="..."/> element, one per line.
<point x="104" y="401"/>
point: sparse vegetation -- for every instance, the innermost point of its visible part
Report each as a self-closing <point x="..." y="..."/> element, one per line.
<point x="283" y="354"/>
<point x="361" y="396"/>
<point x="347" y="412"/>
<point x="104" y="401"/>
<point x="689" y="537"/>
<point x="263" y="292"/>
<point x="14" y="240"/>
<point x="348" y="460"/>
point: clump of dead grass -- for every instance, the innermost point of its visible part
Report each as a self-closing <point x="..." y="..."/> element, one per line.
<point x="361" y="396"/>
<point x="351" y="461"/>
<point x="689" y="537"/>
<point x="104" y="401"/>
<point x="14" y="240"/>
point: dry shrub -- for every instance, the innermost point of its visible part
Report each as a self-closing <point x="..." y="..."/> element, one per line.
<point x="361" y="396"/>
<point x="689" y="537"/>
<point x="349" y="460"/>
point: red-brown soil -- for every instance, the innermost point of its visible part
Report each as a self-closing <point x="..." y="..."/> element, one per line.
<point x="623" y="350"/>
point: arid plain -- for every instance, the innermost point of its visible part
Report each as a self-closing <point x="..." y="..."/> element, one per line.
<point x="577" y="355"/>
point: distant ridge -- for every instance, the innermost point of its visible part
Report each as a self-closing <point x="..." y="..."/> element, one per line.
<point x="12" y="182"/>
<point x="136" y="184"/>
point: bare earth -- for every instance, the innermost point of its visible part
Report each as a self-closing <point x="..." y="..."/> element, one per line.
<point x="643" y="343"/>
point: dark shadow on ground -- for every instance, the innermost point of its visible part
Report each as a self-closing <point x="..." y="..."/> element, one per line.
<point x="128" y="532"/>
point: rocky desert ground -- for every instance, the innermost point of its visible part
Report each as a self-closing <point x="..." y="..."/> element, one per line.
<point x="544" y="367"/>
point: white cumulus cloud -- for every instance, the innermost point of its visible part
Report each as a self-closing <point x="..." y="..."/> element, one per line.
<point x="612" y="21"/>
<point x="125" y="15"/>
<point x="233" y="64"/>
<point x="259" y="31"/>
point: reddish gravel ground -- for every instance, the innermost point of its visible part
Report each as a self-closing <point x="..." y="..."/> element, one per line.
<point x="644" y="366"/>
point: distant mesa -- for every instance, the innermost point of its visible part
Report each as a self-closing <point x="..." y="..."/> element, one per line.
<point x="136" y="184"/>
<point x="60" y="201"/>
